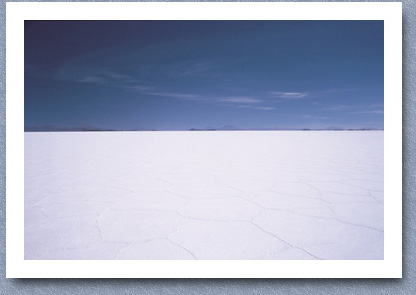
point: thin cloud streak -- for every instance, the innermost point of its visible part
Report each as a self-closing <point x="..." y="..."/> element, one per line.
<point x="175" y="95"/>
<point x="264" y="108"/>
<point x="92" y="79"/>
<point x="288" y="95"/>
<point x="255" y="107"/>
<point x="140" y="88"/>
<point x="367" y="112"/>
<point x="313" y="117"/>
<point x="339" y="108"/>
<point x="349" y="109"/>
<point x="85" y="75"/>
<point x="230" y="101"/>
<point x="239" y="99"/>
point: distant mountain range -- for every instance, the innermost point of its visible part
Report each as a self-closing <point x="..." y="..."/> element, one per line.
<point x="233" y="128"/>
<point x="50" y="128"/>
<point x="226" y="127"/>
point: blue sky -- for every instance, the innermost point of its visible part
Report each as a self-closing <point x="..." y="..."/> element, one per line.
<point x="178" y="75"/>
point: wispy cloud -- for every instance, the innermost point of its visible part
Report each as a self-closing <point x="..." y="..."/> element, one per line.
<point x="351" y="109"/>
<point x="175" y="95"/>
<point x="120" y="77"/>
<point x="367" y="112"/>
<point x="313" y="117"/>
<point x="106" y="77"/>
<point x="264" y="108"/>
<point x="229" y="101"/>
<point x="304" y="116"/>
<point x="283" y="96"/>
<point x="243" y="102"/>
<point x="239" y="99"/>
<point x="82" y="74"/>
<point x="92" y="79"/>
<point x="140" y="88"/>
<point x="288" y="95"/>
<point x="338" y="107"/>
<point x="334" y="91"/>
<point x="255" y="107"/>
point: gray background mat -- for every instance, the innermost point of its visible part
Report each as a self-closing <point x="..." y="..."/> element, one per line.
<point x="407" y="285"/>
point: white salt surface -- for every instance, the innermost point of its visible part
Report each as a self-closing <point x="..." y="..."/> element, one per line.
<point x="204" y="195"/>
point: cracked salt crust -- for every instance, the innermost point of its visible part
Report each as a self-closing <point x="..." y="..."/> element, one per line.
<point x="204" y="195"/>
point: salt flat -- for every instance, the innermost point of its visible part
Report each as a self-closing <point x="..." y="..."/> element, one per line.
<point x="204" y="195"/>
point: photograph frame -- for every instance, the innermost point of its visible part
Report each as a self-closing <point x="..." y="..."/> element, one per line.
<point x="17" y="267"/>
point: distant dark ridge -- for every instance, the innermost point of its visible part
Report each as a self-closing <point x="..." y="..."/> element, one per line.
<point x="223" y="128"/>
<point x="50" y="128"/>
<point x="287" y="129"/>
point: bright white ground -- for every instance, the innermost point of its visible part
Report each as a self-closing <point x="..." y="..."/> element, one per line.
<point x="204" y="195"/>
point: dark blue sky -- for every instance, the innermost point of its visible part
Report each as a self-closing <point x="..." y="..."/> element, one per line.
<point x="177" y="75"/>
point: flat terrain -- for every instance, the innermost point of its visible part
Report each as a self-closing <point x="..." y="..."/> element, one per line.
<point x="204" y="195"/>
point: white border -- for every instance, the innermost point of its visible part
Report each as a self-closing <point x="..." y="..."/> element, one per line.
<point x="17" y="267"/>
